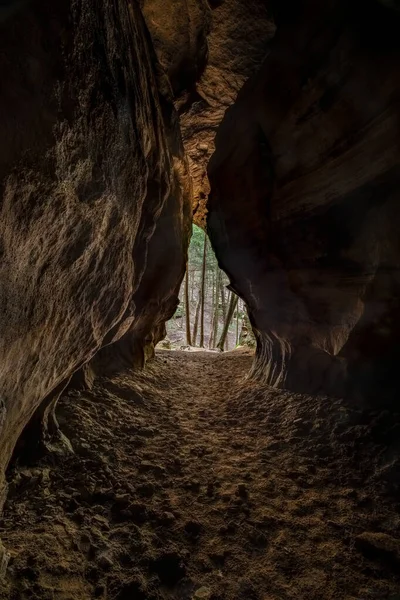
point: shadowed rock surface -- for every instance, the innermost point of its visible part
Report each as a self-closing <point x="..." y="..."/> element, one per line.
<point x="90" y="158"/>
<point x="304" y="204"/>
<point x="302" y="192"/>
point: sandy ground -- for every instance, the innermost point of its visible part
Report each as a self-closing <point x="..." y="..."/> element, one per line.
<point x="189" y="482"/>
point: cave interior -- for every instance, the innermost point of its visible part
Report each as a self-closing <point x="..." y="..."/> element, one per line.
<point x="133" y="472"/>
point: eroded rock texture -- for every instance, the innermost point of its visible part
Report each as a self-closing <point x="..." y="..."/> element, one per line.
<point x="95" y="187"/>
<point x="90" y="163"/>
<point x="209" y="50"/>
<point x="305" y="200"/>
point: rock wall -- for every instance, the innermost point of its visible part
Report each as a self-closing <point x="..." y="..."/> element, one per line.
<point x="304" y="210"/>
<point x="180" y="36"/>
<point x="209" y="50"/>
<point x="96" y="189"/>
<point x="94" y="195"/>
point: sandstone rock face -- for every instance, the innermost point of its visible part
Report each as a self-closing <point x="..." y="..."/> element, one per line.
<point x="90" y="163"/>
<point x="156" y="298"/>
<point x="211" y="53"/>
<point x="305" y="201"/>
<point x="179" y="35"/>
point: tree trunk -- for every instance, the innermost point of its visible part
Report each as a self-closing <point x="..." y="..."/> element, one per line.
<point x="223" y="300"/>
<point x="187" y="307"/>
<point x="192" y="286"/>
<point x="237" y="324"/>
<point x="215" y="313"/>
<point x="232" y="305"/>
<point x="216" y="322"/>
<point x="203" y="284"/>
<point x="210" y="339"/>
<point x="246" y="337"/>
<point x="196" y="321"/>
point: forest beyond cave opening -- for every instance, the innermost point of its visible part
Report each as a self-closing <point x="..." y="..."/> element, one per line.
<point x="212" y="314"/>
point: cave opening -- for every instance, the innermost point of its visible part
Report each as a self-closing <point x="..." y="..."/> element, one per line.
<point x="209" y="315"/>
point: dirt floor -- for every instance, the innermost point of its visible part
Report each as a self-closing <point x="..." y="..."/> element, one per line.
<point x="189" y="482"/>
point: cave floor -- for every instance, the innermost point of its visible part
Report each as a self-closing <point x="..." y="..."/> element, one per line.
<point x="190" y="482"/>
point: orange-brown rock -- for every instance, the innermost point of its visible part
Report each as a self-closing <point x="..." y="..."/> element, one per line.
<point x="208" y="55"/>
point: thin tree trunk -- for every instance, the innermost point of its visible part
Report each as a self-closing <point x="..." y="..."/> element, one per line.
<point x="196" y="321"/>
<point x="214" y="300"/>
<point x="230" y="296"/>
<point x="214" y="324"/>
<point x="191" y="285"/>
<point x="187" y="307"/>
<point x="223" y="300"/>
<point x="237" y="324"/>
<point x="203" y="283"/>
<point x="205" y="303"/>
<point x="232" y="305"/>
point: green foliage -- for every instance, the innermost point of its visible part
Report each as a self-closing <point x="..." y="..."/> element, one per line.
<point x="216" y="299"/>
<point x="196" y="251"/>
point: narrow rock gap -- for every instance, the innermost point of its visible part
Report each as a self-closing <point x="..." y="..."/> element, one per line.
<point x="199" y="300"/>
